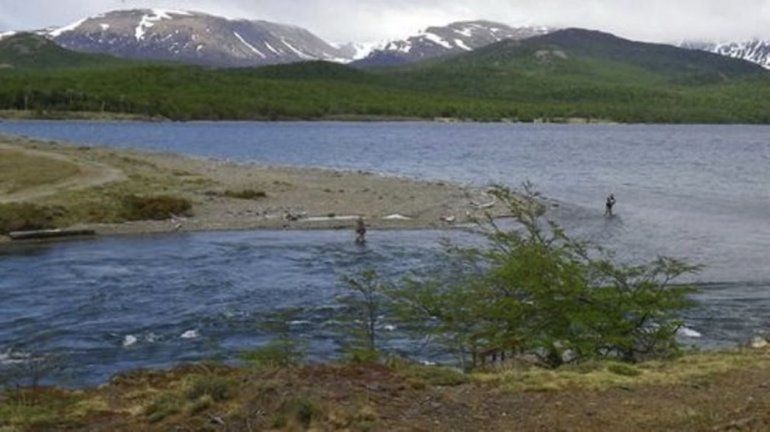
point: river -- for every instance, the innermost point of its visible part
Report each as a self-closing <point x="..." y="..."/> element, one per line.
<point x="697" y="192"/>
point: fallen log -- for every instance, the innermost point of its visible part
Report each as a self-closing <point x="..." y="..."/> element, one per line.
<point x="50" y="234"/>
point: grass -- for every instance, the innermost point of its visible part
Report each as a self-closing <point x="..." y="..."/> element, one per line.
<point x="274" y="355"/>
<point x="162" y="407"/>
<point x="297" y="412"/>
<point x="158" y="207"/>
<point x="147" y="192"/>
<point x="218" y="389"/>
<point x="604" y="375"/>
<point x="20" y="170"/>
<point x="677" y="394"/>
<point x="27" y="217"/>
<point x="422" y="376"/>
<point x="27" y="409"/>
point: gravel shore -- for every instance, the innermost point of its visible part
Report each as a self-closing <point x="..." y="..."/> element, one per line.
<point x="294" y="198"/>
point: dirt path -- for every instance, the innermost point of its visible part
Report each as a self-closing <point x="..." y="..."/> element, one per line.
<point x="89" y="174"/>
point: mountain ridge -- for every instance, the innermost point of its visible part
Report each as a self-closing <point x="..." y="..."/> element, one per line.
<point x="32" y="51"/>
<point x="753" y="50"/>
<point x="208" y="40"/>
<point x="442" y="41"/>
<point x="195" y="38"/>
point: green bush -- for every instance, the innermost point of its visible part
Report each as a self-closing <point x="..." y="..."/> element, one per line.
<point x="155" y="207"/>
<point x="218" y="388"/>
<point x="276" y="354"/>
<point x="26" y="217"/>
<point x="366" y="300"/>
<point x="535" y="290"/>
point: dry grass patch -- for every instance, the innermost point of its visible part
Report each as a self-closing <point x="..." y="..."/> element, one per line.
<point x="604" y="375"/>
<point x="20" y="171"/>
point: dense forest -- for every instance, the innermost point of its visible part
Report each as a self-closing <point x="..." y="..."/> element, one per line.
<point x="547" y="79"/>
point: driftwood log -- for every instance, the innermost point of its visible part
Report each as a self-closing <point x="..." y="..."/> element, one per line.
<point x="50" y="234"/>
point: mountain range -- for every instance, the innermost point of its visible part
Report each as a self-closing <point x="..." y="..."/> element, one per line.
<point x="195" y="38"/>
<point x="207" y="40"/>
<point x="452" y="39"/>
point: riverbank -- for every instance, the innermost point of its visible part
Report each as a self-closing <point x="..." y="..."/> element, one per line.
<point x="97" y="116"/>
<point x="87" y="187"/>
<point x="708" y="391"/>
<point x="74" y="115"/>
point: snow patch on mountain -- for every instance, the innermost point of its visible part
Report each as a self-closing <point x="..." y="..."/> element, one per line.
<point x="270" y="47"/>
<point x="194" y="37"/>
<point x="461" y="44"/>
<point x="756" y="51"/>
<point x="359" y="50"/>
<point x="249" y="46"/>
<point x="145" y="23"/>
<point x="438" y="40"/>
<point x="455" y="38"/>
<point x="467" y="32"/>
<point x="58" y="32"/>
<point x="299" y="53"/>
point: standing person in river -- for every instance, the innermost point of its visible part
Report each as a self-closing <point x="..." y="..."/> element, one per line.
<point x="360" y="231"/>
<point x="609" y="205"/>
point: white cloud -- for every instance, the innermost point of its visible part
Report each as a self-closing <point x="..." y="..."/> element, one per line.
<point x="365" y="20"/>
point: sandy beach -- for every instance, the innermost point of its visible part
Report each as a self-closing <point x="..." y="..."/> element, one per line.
<point x="291" y="198"/>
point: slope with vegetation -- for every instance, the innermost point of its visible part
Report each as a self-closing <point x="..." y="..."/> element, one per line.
<point x="566" y="74"/>
<point x="28" y="51"/>
<point x="703" y="392"/>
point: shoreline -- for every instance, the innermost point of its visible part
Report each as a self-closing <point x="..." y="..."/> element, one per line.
<point x="284" y="198"/>
<point x="20" y="115"/>
<point x="109" y="117"/>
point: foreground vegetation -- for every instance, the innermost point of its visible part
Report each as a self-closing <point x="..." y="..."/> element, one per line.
<point x="697" y="392"/>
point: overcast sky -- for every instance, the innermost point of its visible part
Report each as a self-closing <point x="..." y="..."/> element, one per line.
<point x="373" y="20"/>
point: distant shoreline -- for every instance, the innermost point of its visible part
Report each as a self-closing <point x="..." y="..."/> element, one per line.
<point x="110" y="116"/>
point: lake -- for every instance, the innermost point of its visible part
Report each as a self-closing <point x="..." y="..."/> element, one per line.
<point x="698" y="192"/>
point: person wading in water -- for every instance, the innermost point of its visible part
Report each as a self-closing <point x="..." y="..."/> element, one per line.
<point x="360" y="232"/>
<point x="609" y="205"/>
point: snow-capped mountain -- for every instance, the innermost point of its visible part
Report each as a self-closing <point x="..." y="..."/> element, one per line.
<point x="360" y="50"/>
<point x="4" y="35"/>
<point x="454" y="38"/>
<point x="756" y="51"/>
<point x="194" y="37"/>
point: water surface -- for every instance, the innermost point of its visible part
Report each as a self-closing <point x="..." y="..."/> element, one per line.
<point x="700" y="192"/>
